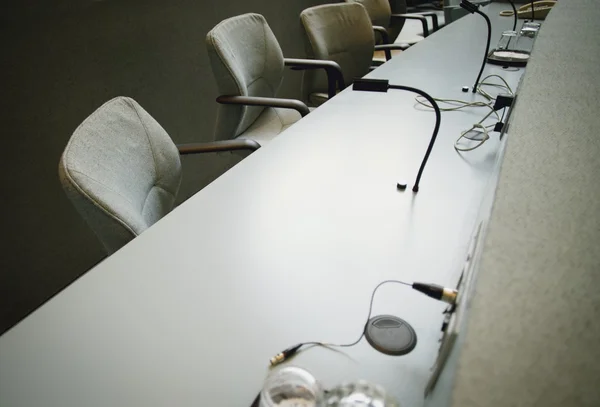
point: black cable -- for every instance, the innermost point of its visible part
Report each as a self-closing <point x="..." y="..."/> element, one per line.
<point x="473" y="8"/>
<point x="512" y="3"/>
<point x="487" y="47"/>
<point x="532" y="11"/>
<point x="382" y="85"/>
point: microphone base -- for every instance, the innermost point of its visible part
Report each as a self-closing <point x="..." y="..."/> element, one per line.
<point x="509" y="57"/>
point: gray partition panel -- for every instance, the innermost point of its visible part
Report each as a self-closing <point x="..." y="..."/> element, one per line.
<point x="533" y="336"/>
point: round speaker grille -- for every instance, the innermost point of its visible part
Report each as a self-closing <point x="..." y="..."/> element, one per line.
<point x="390" y="335"/>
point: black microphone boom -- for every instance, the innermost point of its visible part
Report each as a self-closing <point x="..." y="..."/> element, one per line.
<point x="512" y="3"/>
<point x="382" y="85"/>
<point x="472" y="8"/>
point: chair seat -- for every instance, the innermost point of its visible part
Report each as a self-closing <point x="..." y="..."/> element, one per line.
<point x="271" y="122"/>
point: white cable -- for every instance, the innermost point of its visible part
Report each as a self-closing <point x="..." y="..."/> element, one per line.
<point x="485" y="138"/>
<point x="457" y="104"/>
<point x="461" y="103"/>
<point x="483" y="82"/>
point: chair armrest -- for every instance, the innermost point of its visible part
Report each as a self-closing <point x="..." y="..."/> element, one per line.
<point x="383" y="32"/>
<point x="415" y="17"/>
<point x="385" y="38"/>
<point x="421" y="8"/>
<point x="386" y="48"/>
<point x="424" y="6"/>
<point x="434" y="19"/>
<point x="332" y="68"/>
<point x="403" y="47"/>
<point x="267" y="102"/>
<point x="216" y="146"/>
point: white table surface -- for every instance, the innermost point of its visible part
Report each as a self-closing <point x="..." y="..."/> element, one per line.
<point x="285" y="247"/>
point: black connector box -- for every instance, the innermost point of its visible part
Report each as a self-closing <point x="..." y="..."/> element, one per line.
<point x="371" y="85"/>
<point x="503" y="101"/>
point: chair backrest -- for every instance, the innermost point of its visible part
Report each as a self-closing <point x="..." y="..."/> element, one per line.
<point x="396" y="24"/>
<point x="380" y="12"/>
<point x="339" y="32"/>
<point x="121" y="171"/>
<point x="398" y="6"/>
<point x="246" y="60"/>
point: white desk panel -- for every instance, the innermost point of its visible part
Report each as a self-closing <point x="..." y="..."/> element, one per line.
<point x="285" y="247"/>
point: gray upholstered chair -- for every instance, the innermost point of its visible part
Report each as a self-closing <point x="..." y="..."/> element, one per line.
<point x="122" y="171"/>
<point x="380" y="12"/>
<point x="342" y="33"/>
<point x="248" y="64"/>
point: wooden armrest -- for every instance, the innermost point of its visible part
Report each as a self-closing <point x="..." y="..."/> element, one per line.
<point x="267" y="102"/>
<point x="434" y="19"/>
<point x="402" y="47"/>
<point x="216" y="146"/>
<point x="383" y="32"/>
<point x="332" y="68"/>
<point x="386" y="48"/>
<point x="422" y="19"/>
<point x="385" y="38"/>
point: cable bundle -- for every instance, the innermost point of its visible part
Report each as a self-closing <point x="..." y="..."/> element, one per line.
<point x="456" y="104"/>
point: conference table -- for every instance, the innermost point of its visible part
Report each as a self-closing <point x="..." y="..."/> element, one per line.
<point x="285" y="247"/>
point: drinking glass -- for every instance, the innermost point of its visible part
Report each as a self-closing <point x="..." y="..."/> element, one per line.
<point x="527" y="36"/>
<point x="359" y="394"/>
<point x="291" y="387"/>
<point x="530" y="29"/>
<point x="524" y="43"/>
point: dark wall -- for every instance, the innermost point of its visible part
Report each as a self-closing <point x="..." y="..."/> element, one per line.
<point x="62" y="59"/>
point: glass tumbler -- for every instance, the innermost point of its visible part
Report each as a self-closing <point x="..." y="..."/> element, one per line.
<point x="524" y="43"/>
<point x="530" y="28"/>
<point x="291" y="387"/>
<point x="359" y="394"/>
<point x="527" y="36"/>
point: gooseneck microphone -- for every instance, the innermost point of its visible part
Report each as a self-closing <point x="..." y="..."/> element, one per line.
<point x="382" y="85"/>
<point x="472" y="8"/>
